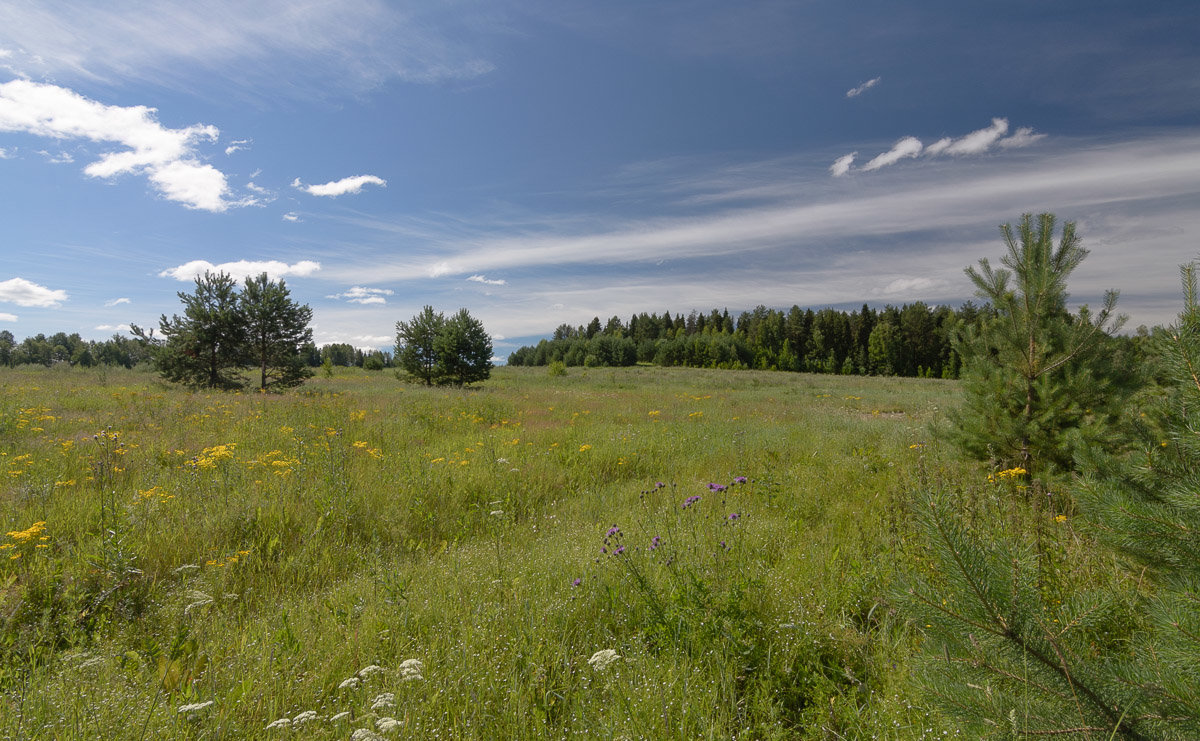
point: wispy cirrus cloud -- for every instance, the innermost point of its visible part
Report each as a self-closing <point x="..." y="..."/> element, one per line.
<point x="27" y="293"/>
<point x="363" y="295"/>
<point x="237" y="145"/>
<point x="117" y="301"/>
<point x="976" y="142"/>
<point x="167" y="157"/>
<point x="335" y="188"/>
<point x="356" y="44"/>
<point x="854" y="92"/>
<point x="242" y="269"/>
<point x="486" y="281"/>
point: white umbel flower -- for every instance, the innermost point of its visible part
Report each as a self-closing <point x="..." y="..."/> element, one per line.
<point x="304" y="717"/>
<point x="350" y="683"/>
<point x="281" y="723"/>
<point x="194" y="707"/>
<point x="387" y="725"/>
<point x="603" y="658"/>
<point x="411" y="669"/>
<point x="383" y="701"/>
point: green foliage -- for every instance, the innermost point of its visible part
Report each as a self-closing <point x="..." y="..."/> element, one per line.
<point x="206" y="347"/>
<point x="437" y="350"/>
<point x="276" y="329"/>
<point x="1040" y="382"/>
<point x="222" y="332"/>
<point x="416" y="345"/>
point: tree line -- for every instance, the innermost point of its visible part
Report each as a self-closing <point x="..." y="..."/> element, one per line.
<point x="911" y="340"/>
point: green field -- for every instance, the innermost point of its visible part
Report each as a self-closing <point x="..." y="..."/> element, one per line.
<point x="246" y="555"/>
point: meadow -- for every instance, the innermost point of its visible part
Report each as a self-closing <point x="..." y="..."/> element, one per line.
<point x="611" y="553"/>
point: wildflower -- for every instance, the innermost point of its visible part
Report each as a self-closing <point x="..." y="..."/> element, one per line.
<point x="194" y="707"/>
<point x="584" y="448"/>
<point x="304" y="717"/>
<point x="350" y="684"/>
<point x="614" y="530"/>
<point x="718" y="488"/>
<point x="383" y="701"/>
<point x="654" y="542"/>
<point x="364" y="734"/>
<point x="659" y="484"/>
<point x="734" y="516"/>
<point x="577" y="581"/>
<point x="496" y="513"/>
<point x="690" y="501"/>
<point x="281" y="723"/>
<point x="1060" y="518"/>
<point x="339" y="717"/>
<point x="739" y="479"/>
<point x="386" y="725"/>
<point x="410" y="669"/>
<point x="619" y="550"/>
<point x="603" y="658"/>
<point x="367" y="671"/>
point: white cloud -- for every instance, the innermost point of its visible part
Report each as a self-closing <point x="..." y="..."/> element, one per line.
<point x="237" y="145"/>
<point x="485" y="281"/>
<point x="241" y="269"/>
<point x="857" y="91"/>
<point x="908" y="286"/>
<point x="978" y="142"/>
<point x="4" y="154"/>
<point x="112" y="327"/>
<point x="842" y="164"/>
<point x="291" y="216"/>
<point x="365" y="296"/>
<point x="437" y="270"/>
<point x="25" y="293"/>
<point x="372" y="341"/>
<point x="909" y="146"/>
<point x="6" y="317"/>
<point x="348" y="45"/>
<point x="117" y="302"/>
<point x="1023" y="137"/>
<point x="166" y="156"/>
<point x="62" y="158"/>
<point x="335" y="188"/>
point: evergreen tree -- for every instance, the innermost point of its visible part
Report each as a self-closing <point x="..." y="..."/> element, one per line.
<point x="206" y="347"/>
<point x="1036" y="375"/>
<point x="464" y="350"/>
<point x="276" y="330"/>
<point x="417" y="345"/>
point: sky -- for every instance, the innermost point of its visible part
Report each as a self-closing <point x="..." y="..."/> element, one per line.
<point x="542" y="162"/>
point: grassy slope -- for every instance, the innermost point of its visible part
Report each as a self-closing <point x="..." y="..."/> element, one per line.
<point x="364" y="521"/>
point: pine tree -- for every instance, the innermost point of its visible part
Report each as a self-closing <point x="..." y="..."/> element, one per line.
<point x="416" y="345"/>
<point x="1038" y="381"/>
<point x="276" y="330"/>
<point x="205" y="348"/>
<point x="464" y="350"/>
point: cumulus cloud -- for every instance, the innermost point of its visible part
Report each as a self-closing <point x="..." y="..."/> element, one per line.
<point x="117" y="302"/>
<point x="363" y="295"/>
<point x="335" y="188"/>
<point x="291" y="216"/>
<point x="166" y="156"/>
<point x="842" y="164"/>
<point x="113" y="327"/>
<point x="26" y="293"/>
<point x="976" y="142"/>
<point x="237" y="145"/>
<point x="6" y="317"/>
<point x="1023" y="137"/>
<point x="857" y="91"/>
<point x="241" y="269"/>
<point x="486" y="281"/>
<point x="909" y="146"/>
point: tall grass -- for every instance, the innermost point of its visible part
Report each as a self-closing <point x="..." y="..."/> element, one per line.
<point x="210" y="565"/>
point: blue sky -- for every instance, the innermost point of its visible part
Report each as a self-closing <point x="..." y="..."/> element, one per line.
<point x="548" y="161"/>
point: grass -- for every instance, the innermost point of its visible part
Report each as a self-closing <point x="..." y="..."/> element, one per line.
<point x="255" y="552"/>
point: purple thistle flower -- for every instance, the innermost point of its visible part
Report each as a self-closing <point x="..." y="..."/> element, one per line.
<point x="691" y="500"/>
<point x="716" y="487"/>
<point x="603" y="549"/>
<point x="724" y="546"/>
<point x="620" y="549"/>
<point x="654" y="542"/>
<point x="659" y="485"/>
<point x="614" y="530"/>
<point x="577" y="582"/>
<point x="739" y="480"/>
<point x="734" y="516"/>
